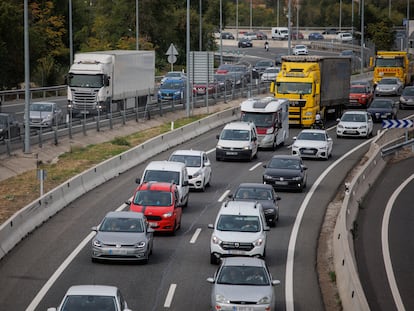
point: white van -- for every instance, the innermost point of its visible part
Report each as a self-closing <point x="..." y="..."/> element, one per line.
<point x="238" y="140"/>
<point x="280" y="33"/>
<point x="171" y="172"/>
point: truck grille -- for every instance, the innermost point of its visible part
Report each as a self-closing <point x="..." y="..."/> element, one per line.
<point x="237" y="245"/>
<point x="84" y="100"/>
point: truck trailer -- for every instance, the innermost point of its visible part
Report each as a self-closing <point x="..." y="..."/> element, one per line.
<point x="313" y="84"/>
<point x="109" y="81"/>
<point x="396" y="64"/>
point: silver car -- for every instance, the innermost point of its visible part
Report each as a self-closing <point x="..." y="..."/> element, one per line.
<point x="92" y="297"/>
<point x="407" y="98"/>
<point x="123" y="236"/>
<point x="243" y="283"/>
<point x="389" y="86"/>
<point x="45" y="114"/>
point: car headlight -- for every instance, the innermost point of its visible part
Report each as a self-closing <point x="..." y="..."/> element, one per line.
<point x="159" y="93"/>
<point x="141" y="244"/>
<point x="167" y="215"/>
<point x="97" y="243"/>
<point x="323" y="147"/>
<point x="219" y="147"/>
<point x="297" y="178"/>
<point x="221" y="299"/>
<point x="258" y="242"/>
<point x="198" y="173"/>
<point x="215" y="240"/>
<point x="266" y="176"/>
<point x="362" y="127"/>
<point x="270" y="130"/>
<point x="309" y="113"/>
<point x="177" y="92"/>
<point x="340" y="126"/>
<point x="264" y="300"/>
<point x="247" y="147"/>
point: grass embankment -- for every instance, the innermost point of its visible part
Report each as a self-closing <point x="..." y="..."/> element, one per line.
<point x="18" y="191"/>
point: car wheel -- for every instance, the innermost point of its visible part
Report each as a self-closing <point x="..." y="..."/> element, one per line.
<point x="174" y="230"/>
<point x="145" y="260"/>
<point x="203" y="187"/>
<point x="214" y="260"/>
<point x="94" y="259"/>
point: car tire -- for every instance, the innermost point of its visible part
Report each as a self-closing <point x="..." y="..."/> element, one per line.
<point x="214" y="260"/>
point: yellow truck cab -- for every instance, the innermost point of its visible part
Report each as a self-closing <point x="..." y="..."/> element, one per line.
<point x="396" y="64"/>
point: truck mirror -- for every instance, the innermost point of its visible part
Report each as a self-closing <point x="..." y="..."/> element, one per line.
<point x="272" y="87"/>
<point x="106" y="80"/>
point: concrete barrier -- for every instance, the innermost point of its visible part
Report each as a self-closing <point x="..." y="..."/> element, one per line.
<point x="34" y="214"/>
<point x="349" y="285"/>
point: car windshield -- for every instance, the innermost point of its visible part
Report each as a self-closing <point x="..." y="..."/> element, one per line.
<point x="264" y="64"/>
<point x="153" y="198"/>
<point x="88" y="303"/>
<point x="238" y="223"/>
<point x="246" y="193"/>
<point x="408" y="91"/>
<point x="381" y="104"/>
<point x="388" y="81"/>
<point x="272" y="70"/>
<point x="188" y="160"/>
<point x="221" y="78"/>
<point x="283" y="163"/>
<point x="41" y="107"/>
<point x="358" y="90"/>
<point x="353" y="117"/>
<point x="311" y="136"/>
<point x="175" y="85"/>
<point x="243" y="275"/>
<point x="294" y="88"/>
<point x="235" y="135"/>
<point x="173" y="74"/>
<point x="300" y="47"/>
<point x="259" y="119"/>
<point x="113" y="224"/>
<point x="162" y="176"/>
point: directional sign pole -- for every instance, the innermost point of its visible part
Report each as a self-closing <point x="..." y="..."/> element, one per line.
<point x="172" y="55"/>
<point x="389" y="124"/>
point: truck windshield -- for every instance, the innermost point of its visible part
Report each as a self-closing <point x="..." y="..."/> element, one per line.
<point x="294" y="88"/>
<point x="76" y="80"/>
<point x="259" y="119"/>
<point x="390" y="62"/>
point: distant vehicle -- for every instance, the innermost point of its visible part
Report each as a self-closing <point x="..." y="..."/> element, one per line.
<point x="330" y="31"/>
<point x="366" y="83"/>
<point x="312" y="144"/>
<point x="349" y="53"/>
<point x="285" y="172"/>
<point x="122" y="236"/>
<point x="250" y="35"/>
<point x="300" y="49"/>
<point x="280" y="33"/>
<point x="158" y="201"/>
<point x="9" y="126"/>
<point x="198" y="167"/>
<point x="407" y="98"/>
<point x="383" y="109"/>
<point x="261" y="65"/>
<point x="262" y="193"/>
<point x="201" y="89"/>
<point x="245" y="43"/>
<point x="95" y="297"/>
<point x="297" y="35"/>
<point x="355" y="124"/>
<point x="270" y="74"/>
<point x="45" y="114"/>
<point x="278" y="59"/>
<point x="260" y="35"/>
<point x="227" y="35"/>
<point x="389" y="86"/>
<point x="344" y="37"/>
<point x="172" y="89"/>
<point x="171" y="75"/>
<point x="315" y="36"/>
<point x="241" y="281"/>
<point x="360" y="96"/>
<point x="224" y="81"/>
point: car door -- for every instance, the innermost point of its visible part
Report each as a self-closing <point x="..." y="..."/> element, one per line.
<point x="254" y="142"/>
<point x="370" y="123"/>
<point x="206" y="168"/>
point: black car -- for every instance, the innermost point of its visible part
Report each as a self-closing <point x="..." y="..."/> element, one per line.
<point x="262" y="193"/>
<point x="225" y="81"/>
<point x="315" y="36"/>
<point x="227" y="35"/>
<point x="285" y="172"/>
<point x="245" y="43"/>
<point x="260" y="66"/>
<point x="330" y="31"/>
<point x="9" y="127"/>
<point x="383" y="109"/>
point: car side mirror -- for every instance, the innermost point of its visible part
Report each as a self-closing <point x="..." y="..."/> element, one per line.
<point x="185" y="183"/>
<point x="210" y="280"/>
<point x="210" y="226"/>
<point x="218" y="136"/>
<point x="128" y="202"/>
<point x="94" y="228"/>
<point x="138" y="181"/>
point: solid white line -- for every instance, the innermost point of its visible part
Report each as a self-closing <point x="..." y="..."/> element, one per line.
<point x="385" y="245"/>
<point x="295" y="230"/>
<point x="195" y="235"/>
<point x="170" y="296"/>
<point x="221" y="199"/>
<point x="255" y="166"/>
<point x="211" y="151"/>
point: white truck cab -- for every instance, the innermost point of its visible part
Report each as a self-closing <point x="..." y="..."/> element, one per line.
<point x="280" y="33"/>
<point x="271" y="117"/>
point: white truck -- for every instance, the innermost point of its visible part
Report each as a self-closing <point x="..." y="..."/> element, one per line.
<point x="109" y="81"/>
<point x="280" y="33"/>
<point x="271" y="117"/>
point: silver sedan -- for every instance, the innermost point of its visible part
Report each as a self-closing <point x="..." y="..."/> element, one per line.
<point x="122" y="236"/>
<point x="389" y="86"/>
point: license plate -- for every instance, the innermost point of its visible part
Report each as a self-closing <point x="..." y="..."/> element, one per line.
<point x="153" y="224"/>
<point x="307" y="151"/>
<point x="282" y="183"/>
<point x="84" y="112"/>
<point x="231" y="153"/>
<point x="244" y="309"/>
<point x="235" y="252"/>
<point x="351" y="132"/>
<point x="118" y="252"/>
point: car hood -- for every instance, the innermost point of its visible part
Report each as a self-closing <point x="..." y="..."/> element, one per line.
<point x="151" y="210"/>
<point x="282" y="172"/>
<point x="193" y="170"/>
<point x="243" y="292"/>
<point x="169" y="90"/>
<point x="37" y="114"/>
<point x="352" y="124"/>
<point x="266" y="204"/>
<point x="237" y="236"/>
<point x="309" y="144"/>
<point x="374" y="110"/>
<point x="120" y="237"/>
<point x="233" y="143"/>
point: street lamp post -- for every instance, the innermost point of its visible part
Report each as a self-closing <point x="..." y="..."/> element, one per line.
<point x="237" y="20"/>
<point x="221" y="29"/>
<point x="200" y="36"/>
<point x="26" y="78"/>
<point x="137" y="23"/>
<point x="251" y="18"/>
<point x="70" y="33"/>
<point x="340" y="15"/>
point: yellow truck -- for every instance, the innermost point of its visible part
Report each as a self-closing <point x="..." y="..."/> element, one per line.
<point x="313" y="84"/>
<point x="393" y="64"/>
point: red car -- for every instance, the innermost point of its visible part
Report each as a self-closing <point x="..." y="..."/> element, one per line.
<point x="201" y="88"/>
<point x="159" y="203"/>
<point x="360" y="96"/>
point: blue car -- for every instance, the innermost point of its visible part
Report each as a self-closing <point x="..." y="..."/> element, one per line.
<point x="383" y="109"/>
<point x="315" y="36"/>
<point x="172" y="89"/>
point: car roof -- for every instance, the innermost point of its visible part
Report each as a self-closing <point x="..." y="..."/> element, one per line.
<point x="243" y="261"/>
<point x="355" y="112"/>
<point x="238" y="125"/>
<point x="188" y="152"/>
<point x="165" y="165"/>
<point x="285" y="156"/>
<point x="156" y="186"/>
<point x="313" y="131"/>
<point x="85" y="290"/>
<point x="124" y="214"/>
<point x="245" y="208"/>
<point x="43" y="103"/>
<point x="255" y="185"/>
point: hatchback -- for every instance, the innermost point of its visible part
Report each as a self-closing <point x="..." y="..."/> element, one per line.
<point x="355" y="124"/>
<point x="315" y="36"/>
<point x="245" y="43"/>
<point x="389" y="86"/>
<point x="312" y="144"/>
<point x="300" y="50"/>
<point x="45" y="114"/>
<point x="407" y="98"/>
<point x="383" y="109"/>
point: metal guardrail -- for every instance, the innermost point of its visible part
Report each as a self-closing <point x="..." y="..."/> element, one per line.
<point x="391" y="150"/>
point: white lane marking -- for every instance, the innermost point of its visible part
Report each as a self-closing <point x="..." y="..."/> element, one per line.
<point x="41" y="294"/>
<point x="225" y="194"/>
<point x="170" y="295"/>
<point x="385" y="245"/>
<point x="255" y="166"/>
<point x="195" y="235"/>
<point x="295" y="230"/>
<point x="211" y="151"/>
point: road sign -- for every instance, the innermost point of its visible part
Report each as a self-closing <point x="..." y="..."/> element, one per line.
<point x="172" y="59"/>
<point x="397" y="124"/>
<point x="172" y="50"/>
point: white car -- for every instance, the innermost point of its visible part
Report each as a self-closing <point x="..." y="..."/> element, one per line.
<point x="173" y="75"/>
<point x="92" y="297"/>
<point x="270" y="74"/>
<point x="344" y="36"/>
<point x="300" y="49"/>
<point x="198" y="167"/>
<point x="312" y="144"/>
<point x="250" y="35"/>
<point x="355" y="124"/>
